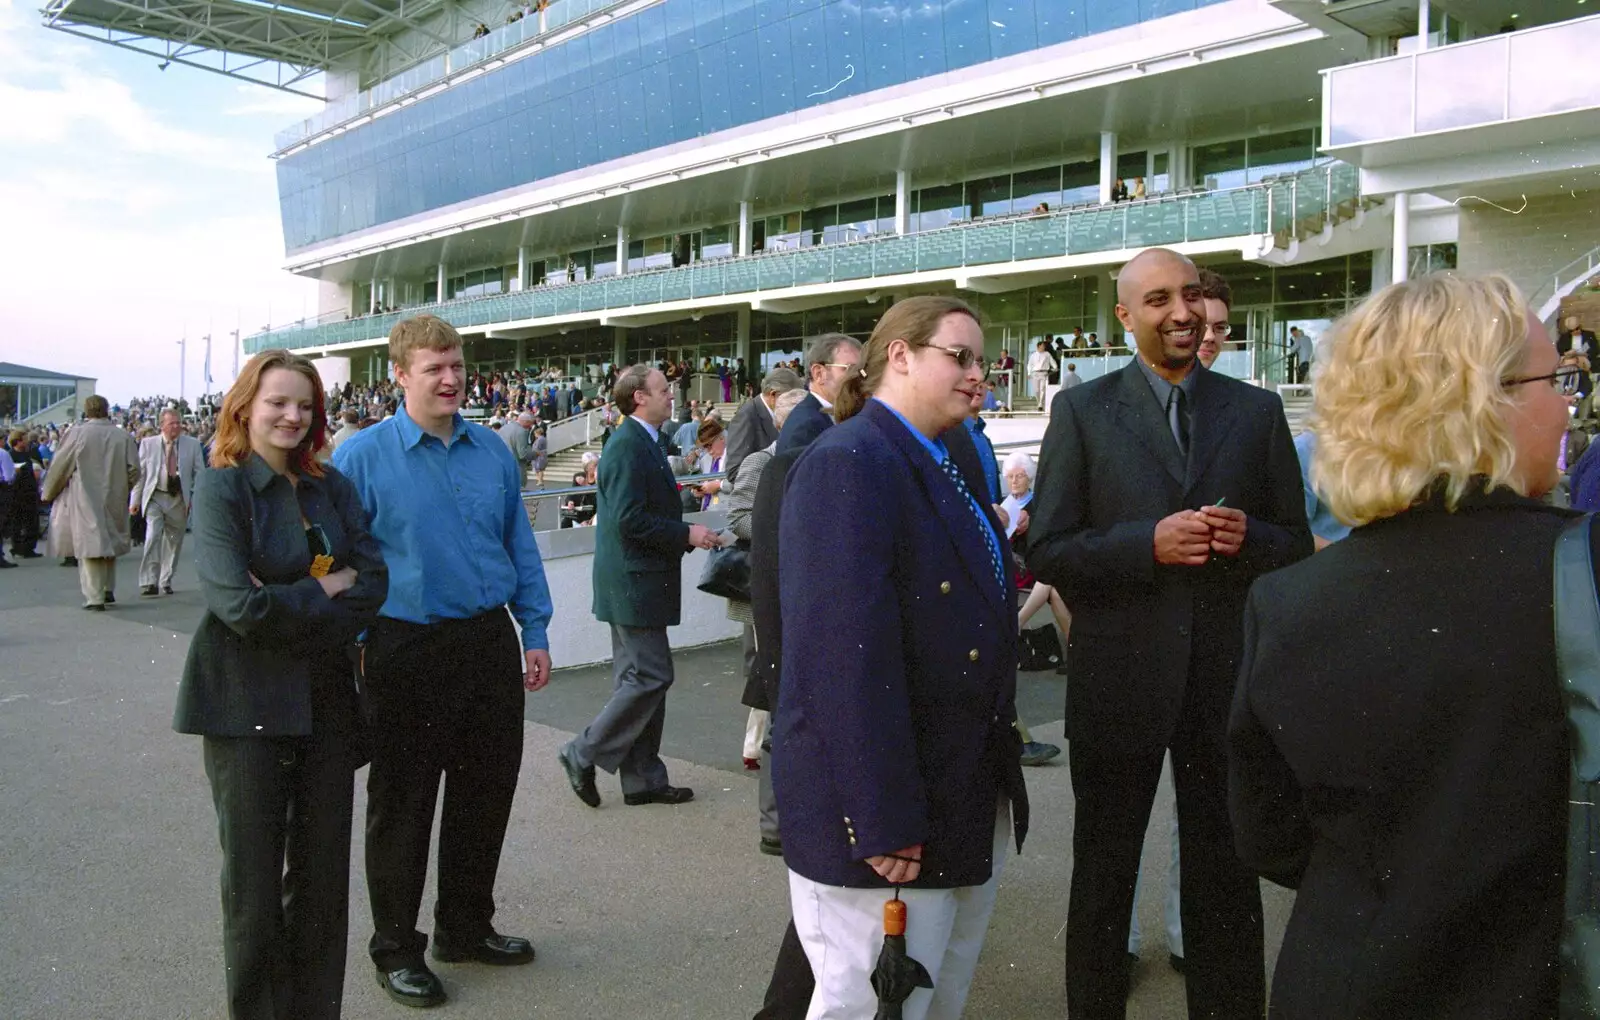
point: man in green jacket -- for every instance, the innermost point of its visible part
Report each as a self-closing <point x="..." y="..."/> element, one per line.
<point x="640" y="539"/>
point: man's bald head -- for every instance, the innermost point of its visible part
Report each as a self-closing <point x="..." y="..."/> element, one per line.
<point x="525" y="419"/>
<point x="1135" y="271"/>
<point x="1160" y="301"/>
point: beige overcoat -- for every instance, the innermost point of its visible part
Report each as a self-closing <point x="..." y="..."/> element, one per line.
<point x="101" y="463"/>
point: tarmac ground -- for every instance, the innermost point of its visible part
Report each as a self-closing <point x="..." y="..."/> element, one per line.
<point x="110" y="877"/>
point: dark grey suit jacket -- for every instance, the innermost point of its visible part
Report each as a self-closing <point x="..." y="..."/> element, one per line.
<point x="250" y="663"/>
<point x="1109" y="470"/>
<point x="807" y="420"/>
<point x="752" y="429"/>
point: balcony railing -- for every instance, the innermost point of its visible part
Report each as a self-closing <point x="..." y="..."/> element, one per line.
<point x="559" y="14"/>
<point x="1285" y="204"/>
<point x="1529" y="73"/>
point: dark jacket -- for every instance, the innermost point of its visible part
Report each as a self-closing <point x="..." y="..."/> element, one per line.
<point x="250" y="665"/>
<point x="752" y="429"/>
<point x="895" y="714"/>
<point x="807" y="420"/>
<point x="1109" y="470"/>
<point x="1398" y="753"/>
<point x="640" y="537"/>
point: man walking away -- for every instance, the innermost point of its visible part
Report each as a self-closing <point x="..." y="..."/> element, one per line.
<point x="101" y="463"/>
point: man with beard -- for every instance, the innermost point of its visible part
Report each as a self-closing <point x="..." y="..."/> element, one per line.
<point x="1163" y="491"/>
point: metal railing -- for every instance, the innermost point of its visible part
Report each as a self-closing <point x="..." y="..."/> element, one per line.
<point x="537" y="24"/>
<point x="1515" y="75"/>
<point x="1563" y="282"/>
<point x="1266" y="207"/>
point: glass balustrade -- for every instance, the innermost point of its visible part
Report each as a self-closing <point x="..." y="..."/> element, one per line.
<point x="1529" y="73"/>
<point x="1305" y="200"/>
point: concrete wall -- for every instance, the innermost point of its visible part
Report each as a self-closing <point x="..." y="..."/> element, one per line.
<point x="1530" y="245"/>
<point x="577" y="638"/>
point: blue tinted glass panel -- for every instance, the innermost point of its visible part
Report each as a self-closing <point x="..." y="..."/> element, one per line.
<point x="667" y="74"/>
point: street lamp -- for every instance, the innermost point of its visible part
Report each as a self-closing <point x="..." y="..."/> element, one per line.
<point x="183" y="356"/>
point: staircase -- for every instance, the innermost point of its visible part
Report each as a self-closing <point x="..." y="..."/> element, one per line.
<point x="1297" y="408"/>
<point x="563" y="465"/>
<point x="1563" y="282"/>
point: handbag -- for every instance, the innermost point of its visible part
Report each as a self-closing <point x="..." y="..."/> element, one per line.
<point x="1038" y="649"/>
<point x="1577" y="624"/>
<point x="727" y="572"/>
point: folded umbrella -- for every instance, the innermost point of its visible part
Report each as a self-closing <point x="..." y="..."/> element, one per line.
<point x="897" y="975"/>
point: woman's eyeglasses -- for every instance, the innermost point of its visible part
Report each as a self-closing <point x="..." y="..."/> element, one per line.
<point x="965" y="357"/>
<point x="1562" y="380"/>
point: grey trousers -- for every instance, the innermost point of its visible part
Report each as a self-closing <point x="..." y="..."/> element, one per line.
<point x="96" y="576"/>
<point x="625" y="737"/>
<point x="165" y="518"/>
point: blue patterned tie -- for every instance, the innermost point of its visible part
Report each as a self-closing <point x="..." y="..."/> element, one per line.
<point x="948" y="466"/>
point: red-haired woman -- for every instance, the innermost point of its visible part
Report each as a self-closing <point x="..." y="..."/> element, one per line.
<point x="290" y="577"/>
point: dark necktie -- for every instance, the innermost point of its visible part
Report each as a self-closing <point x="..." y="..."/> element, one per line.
<point x="986" y="533"/>
<point x="172" y="464"/>
<point x="1178" y="418"/>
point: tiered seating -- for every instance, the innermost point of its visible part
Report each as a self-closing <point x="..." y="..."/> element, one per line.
<point x="939" y="249"/>
<point x="893" y="255"/>
<point x="1094" y="230"/>
<point x="989" y="243"/>
<point x="813" y="265"/>
<point x="854" y="261"/>
<point x="1040" y="238"/>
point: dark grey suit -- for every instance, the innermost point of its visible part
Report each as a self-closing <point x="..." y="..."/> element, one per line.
<point x="1153" y="660"/>
<point x="752" y="429"/>
<point x="269" y="684"/>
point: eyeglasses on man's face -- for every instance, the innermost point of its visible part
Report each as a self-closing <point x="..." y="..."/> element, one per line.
<point x="965" y="357"/>
<point x="1561" y="380"/>
<point x="1219" y="329"/>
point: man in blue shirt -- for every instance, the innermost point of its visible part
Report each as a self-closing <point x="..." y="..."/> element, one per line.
<point x="443" y="667"/>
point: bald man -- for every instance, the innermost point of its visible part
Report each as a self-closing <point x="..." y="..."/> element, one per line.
<point x="1163" y="490"/>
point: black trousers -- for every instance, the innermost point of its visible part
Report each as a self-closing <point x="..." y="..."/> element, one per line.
<point x="1221" y="898"/>
<point x="24" y="525"/>
<point x="283" y="816"/>
<point x="789" y="990"/>
<point x="444" y="701"/>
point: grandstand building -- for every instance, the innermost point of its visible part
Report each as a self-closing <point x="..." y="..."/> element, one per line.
<point x="585" y="182"/>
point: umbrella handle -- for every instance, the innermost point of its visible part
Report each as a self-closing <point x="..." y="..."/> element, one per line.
<point x="894" y="916"/>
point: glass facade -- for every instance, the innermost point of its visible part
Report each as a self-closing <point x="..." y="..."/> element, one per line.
<point x="21" y="400"/>
<point x="1240" y="161"/>
<point x="670" y="73"/>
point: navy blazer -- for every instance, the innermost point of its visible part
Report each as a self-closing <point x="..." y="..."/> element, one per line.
<point x="250" y="662"/>
<point x="807" y="420"/>
<point x="640" y="537"/>
<point x="895" y="714"/>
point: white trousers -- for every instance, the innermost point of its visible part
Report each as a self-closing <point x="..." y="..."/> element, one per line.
<point x="842" y="932"/>
<point x="755" y="732"/>
<point x="165" y="518"/>
<point x="1039" y="380"/>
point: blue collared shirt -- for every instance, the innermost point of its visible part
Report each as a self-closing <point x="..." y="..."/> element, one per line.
<point x="451" y="524"/>
<point x="938" y="451"/>
<point x="991" y="466"/>
<point x="1323" y="524"/>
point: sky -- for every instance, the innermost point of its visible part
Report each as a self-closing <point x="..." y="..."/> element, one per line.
<point x="140" y="207"/>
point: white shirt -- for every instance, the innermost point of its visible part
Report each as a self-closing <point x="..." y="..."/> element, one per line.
<point x="827" y="405"/>
<point x="1041" y="361"/>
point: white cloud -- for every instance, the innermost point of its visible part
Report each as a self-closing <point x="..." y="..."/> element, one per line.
<point x="140" y="206"/>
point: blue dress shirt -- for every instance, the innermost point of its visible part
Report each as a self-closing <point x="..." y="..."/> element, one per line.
<point x="937" y="450"/>
<point x="990" y="465"/>
<point x="451" y="524"/>
<point x="1323" y="524"/>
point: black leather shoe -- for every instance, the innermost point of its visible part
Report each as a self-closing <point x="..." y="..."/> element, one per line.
<point x="4" y="563"/>
<point x="166" y="589"/>
<point x="147" y="590"/>
<point x="95" y="607"/>
<point x="111" y="599"/>
<point x="1176" y="961"/>
<point x="771" y="847"/>
<point x="495" y="950"/>
<point x="412" y="986"/>
<point x="582" y="780"/>
<point x="27" y="554"/>
<point x="69" y="561"/>
<point x="665" y="795"/>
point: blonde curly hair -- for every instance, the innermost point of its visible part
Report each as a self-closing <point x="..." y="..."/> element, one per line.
<point x="1409" y="395"/>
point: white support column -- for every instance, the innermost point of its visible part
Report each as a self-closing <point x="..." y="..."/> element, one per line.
<point x="902" y="202"/>
<point x="522" y="269"/>
<point x="439" y="293"/>
<point x="1422" y="26"/>
<point x="372" y="297"/>
<point x="1400" y="269"/>
<point x="745" y="233"/>
<point x="741" y="341"/>
<point x="1106" y="326"/>
<point x="619" y="348"/>
<point x="622" y="249"/>
<point x="1108" y="164"/>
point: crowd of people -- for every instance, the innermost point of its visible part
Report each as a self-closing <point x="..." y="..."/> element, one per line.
<point x="1344" y="647"/>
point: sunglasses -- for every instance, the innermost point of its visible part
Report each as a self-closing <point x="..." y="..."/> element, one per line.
<point x="965" y="357"/>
